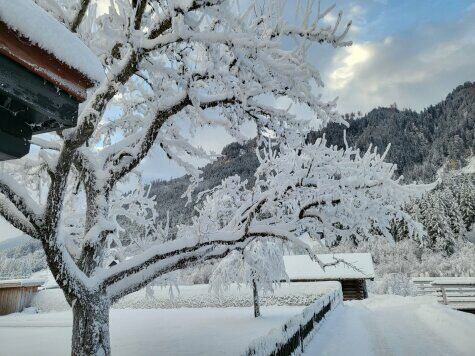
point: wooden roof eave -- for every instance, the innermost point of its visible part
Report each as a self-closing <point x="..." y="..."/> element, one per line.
<point x="19" y="49"/>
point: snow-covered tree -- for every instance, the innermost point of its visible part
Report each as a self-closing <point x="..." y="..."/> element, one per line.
<point x="466" y="200"/>
<point x="172" y="67"/>
<point x="303" y="197"/>
<point x="446" y="212"/>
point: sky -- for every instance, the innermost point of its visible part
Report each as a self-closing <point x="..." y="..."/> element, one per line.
<point x="412" y="52"/>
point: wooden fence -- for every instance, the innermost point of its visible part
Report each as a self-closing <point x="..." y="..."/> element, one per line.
<point x="298" y="331"/>
<point x="455" y="292"/>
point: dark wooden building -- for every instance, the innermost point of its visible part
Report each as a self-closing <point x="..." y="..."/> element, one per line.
<point x="352" y="275"/>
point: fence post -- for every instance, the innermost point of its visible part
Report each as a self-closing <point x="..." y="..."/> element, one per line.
<point x="301" y="338"/>
<point x="444" y="295"/>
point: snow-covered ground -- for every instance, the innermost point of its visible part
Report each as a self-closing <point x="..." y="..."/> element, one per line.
<point x="196" y="296"/>
<point x="144" y="332"/>
<point x="392" y="325"/>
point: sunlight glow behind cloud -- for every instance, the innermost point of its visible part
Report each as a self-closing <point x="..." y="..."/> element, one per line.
<point x="346" y="63"/>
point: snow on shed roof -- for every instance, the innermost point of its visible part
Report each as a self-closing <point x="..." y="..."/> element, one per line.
<point x="11" y="283"/>
<point x="29" y="19"/>
<point x="301" y="267"/>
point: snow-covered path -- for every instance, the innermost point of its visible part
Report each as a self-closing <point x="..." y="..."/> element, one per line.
<point x="395" y="326"/>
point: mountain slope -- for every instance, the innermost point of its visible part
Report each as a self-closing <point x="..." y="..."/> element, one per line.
<point x="235" y="159"/>
<point x="421" y="143"/>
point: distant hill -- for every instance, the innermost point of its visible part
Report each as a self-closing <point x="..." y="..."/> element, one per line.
<point x="235" y="159"/>
<point x="21" y="256"/>
<point x="14" y="242"/>
<point x="421" y="143"/>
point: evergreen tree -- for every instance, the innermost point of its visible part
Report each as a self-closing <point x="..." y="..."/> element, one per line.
<point x="467" y="200"/>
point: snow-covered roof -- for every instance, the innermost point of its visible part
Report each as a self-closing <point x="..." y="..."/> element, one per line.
<point x="454" y="281"/>
<point x="34" y="23"/>
<point x="301" y="267"/>
<point x="10" y="283"/>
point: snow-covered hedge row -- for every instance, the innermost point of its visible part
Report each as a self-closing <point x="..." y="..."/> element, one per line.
<point x="292" y="338"/>
<point x="199" y="296"/>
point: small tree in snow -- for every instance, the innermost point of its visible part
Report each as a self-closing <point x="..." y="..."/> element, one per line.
<point x="172" y="67"/>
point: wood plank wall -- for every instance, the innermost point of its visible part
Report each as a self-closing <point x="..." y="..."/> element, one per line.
<point x="15" y="299"/>
<point x="354" y="289"/>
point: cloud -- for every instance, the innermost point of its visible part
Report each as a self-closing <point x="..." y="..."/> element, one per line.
<point x="415" y="68"/>
<point x="347" y="63"/>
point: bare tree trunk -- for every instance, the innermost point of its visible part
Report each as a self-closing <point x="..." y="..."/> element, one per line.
<point x="91" y="328"/>
<point x="257" y="311"/>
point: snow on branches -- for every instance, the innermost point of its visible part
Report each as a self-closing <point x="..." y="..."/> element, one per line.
<point x="302" y="197"/>
<point x="173" y="67"/>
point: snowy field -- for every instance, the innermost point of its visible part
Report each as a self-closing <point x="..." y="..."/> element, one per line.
<point x="144" y="332"/>
<point x="392" y="325"/>
<point x="140" y="327"/>
<point x="198" y="296"/>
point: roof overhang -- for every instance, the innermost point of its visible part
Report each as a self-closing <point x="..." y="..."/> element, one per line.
<point x="29" y="105"/>
<point x="36" y="60"/>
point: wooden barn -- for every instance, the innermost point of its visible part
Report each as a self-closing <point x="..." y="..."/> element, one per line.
<point x="45" y="71"/>
<point x="300" y="268"/>
<point x="16" y="294"/>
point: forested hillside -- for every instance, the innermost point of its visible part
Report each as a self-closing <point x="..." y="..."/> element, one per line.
<point x="236" y="159"/>
<point x="421" y="143"/>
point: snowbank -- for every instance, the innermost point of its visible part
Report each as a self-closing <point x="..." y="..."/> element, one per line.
<point x="178" y="332"/>
<point x="297" y="332"/>
<point x="49" y="34"/>
<point x="199" y="296"/>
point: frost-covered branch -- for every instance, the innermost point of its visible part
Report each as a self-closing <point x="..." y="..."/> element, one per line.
<point x="11" y="214"/>
<point x="126" y="158"/>
<point x="233" y="216"/>
<point x="21" y="200"/>
<point x="81" y="12"/>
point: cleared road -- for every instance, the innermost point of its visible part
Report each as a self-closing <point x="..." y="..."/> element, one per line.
<point x="395" y="326"/>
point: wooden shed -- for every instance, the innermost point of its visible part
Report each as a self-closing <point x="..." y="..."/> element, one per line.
<point x="16" y="294"/>
<point x="352" y="275"/>
<point x="45" y="71"/>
